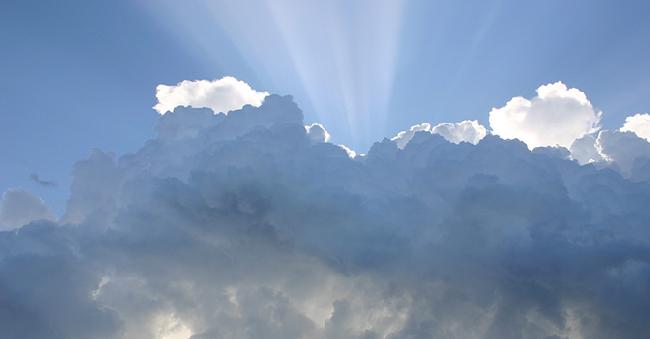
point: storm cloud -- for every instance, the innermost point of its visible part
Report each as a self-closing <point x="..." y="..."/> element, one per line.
<point x="251" y="225"/>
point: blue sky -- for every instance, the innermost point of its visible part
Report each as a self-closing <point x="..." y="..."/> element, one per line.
<point x="78" y="75"/>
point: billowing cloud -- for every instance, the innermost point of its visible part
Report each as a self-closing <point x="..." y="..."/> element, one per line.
<point x="221" y="96"/>
<point x="19" y="207"/>
<point x="247" y="225"/>
<point x="317" y="132"/>
<point x="470" y="131"/>
<point x="584" y="150"/>
<point x="639" y="124"/>
<point x="402" y="138"/>
<point x="465" y="131"/>
<point x="557" y="116"/>
<point x="626" y="151"/>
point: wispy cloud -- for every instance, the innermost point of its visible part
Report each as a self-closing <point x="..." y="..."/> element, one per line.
<point x="34" y="177"/>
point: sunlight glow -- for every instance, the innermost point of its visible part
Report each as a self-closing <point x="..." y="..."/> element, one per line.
<point x="342" y="54"/>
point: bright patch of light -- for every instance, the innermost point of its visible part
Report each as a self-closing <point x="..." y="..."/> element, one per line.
<point x="170" y="327"/>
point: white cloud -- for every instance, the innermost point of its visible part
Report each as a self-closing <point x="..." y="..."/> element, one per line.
<point x="223" y="95"/>
<point x="465" y="131"/>
<point x="402" y="138"/>
<point x="639" y="124"/>
<point x="557" y="116"/>
<point x="19" y="207"/>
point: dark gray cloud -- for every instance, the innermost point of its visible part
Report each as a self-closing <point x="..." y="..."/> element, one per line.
<point x="37" y="179"/>
<point x="248" y="226"/>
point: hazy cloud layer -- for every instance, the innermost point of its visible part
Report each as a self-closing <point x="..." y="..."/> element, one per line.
<point x="557" y="116"/>
<point x="223" y="95"/>
<point x="251" y="225"/>
<point x="19" y="207"/>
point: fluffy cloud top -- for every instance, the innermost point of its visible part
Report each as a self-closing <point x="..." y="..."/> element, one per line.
<point x="557" y="116"/>
<point x="317" y="132"/>
<point x="639" y="124"/>
<point x="585" y="151"/>
<point x="464" y="131"/>
<point x="223" y="95"/>
<point x="402" y="138"/>
<point x="470" y="131"/>
<point x="249" y="225"/>
<point x="623" y="152"/>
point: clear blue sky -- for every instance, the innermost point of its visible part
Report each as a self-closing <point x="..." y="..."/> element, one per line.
<point x="78" y="75"/>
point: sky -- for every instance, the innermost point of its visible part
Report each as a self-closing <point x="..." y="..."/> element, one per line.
<point x="366" y="69"/>
<point x="324" y="169"/>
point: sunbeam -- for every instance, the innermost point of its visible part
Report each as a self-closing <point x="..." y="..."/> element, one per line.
<point x="341" y="53"/>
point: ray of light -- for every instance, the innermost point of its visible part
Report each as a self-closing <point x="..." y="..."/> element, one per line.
<point x="341" y="54"/>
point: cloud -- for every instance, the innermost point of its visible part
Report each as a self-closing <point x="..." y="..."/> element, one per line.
<point x="470" y="131"/>
<point x="639" y="124"/>
<point x="221" y="96"/>
<point x="625" y="150"/>
<point x="19" y="207"/>
<point x="317" y="132"/>
<point x="250" y="225"/>
<point x="557" y="116"/>
<point x="37" y="179"/>
<point x="402" y="138"/>
<point x="464" y="131"/>
<point x="584" y="150"/>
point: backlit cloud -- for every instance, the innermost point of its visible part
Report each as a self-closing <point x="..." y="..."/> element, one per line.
<point x="222" y="96"/>
<point x="557" y="116"/>
<point x="639" y="124"/>
<point x="464" y="131"/>
<point x="251" y="225"/>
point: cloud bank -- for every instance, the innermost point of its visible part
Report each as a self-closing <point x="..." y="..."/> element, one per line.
<point x="222" y="96"/>
<point x="251" y="225"/>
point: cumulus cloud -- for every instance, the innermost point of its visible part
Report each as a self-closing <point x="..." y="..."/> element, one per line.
<point x="639" y="124"/>
<point x="625" y="150"/>
<point x="250" y="225"/>
<point x="584" y="150"/>
<point x="470" y="131"/>
<point x="465" y="131"/>
<point x="19" y="207"/>
<point x="402" y="138"/>
<point x="621" y="151"/>
<point x="317" y="132"/>
<point x="557" y="116"/>
<point x="221" y="96"/>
